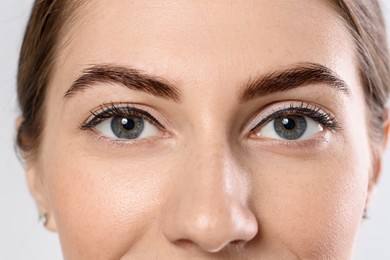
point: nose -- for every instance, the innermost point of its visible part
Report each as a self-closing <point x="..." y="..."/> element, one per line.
<point x="209" y="207"/>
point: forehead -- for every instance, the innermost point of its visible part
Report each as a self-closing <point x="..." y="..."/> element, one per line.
<point x="184" y="40"/>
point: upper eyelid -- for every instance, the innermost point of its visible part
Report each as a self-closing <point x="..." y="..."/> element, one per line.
<point x="284" y="111"/>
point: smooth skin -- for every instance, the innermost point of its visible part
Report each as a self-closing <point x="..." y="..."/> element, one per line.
<point x="204" y="187"/>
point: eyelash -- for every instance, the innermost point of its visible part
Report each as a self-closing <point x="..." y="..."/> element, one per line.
<point x="312" y="111"/>
<point x="110" y="110"/>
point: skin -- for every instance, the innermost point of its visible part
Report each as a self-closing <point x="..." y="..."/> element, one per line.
<point x="204" y="187"/>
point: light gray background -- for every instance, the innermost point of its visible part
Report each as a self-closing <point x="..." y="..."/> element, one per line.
<point x="20" y="235"/>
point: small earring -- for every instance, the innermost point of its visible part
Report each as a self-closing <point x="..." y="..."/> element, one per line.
<point x="365" y="214"/>
<point x="42" y="219"/>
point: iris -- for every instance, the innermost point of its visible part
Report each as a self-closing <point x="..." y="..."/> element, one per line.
<point x="127" y="127"/>
<point x="290" y="127"/>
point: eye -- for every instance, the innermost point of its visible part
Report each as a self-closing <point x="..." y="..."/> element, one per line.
<point x="127" y="127"/>
<point x="123" y="121"/>
<point x="291" y="127"/>
<point x="293" y="120"/>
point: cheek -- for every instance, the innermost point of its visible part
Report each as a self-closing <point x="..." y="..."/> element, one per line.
<point x="314" y="204"/>
<point x="100" y="203"/>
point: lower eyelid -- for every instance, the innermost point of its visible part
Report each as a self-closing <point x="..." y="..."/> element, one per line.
<point x="318" y="142"/>
<point x="126" y="144"/>
<point x="306" y="147"/>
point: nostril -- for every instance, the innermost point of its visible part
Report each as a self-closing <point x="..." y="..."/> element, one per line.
<point x="238" y="243"/>
<point x="188" y="244"/>
<point x="184" y="243"/>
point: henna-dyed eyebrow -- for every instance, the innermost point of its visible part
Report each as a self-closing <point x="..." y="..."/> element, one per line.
<point x="299" y="75"/>
<point x="302" y="74"/>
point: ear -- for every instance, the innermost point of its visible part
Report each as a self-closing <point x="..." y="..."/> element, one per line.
<point x="40" y="195"/>
<point x="378" y="159"/>
<point x="18" y="122"/>
<point x="35" y="182"/>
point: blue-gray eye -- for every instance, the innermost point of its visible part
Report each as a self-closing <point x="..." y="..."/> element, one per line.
<point x="290" y="127"/>
<point x="127" y="127"/>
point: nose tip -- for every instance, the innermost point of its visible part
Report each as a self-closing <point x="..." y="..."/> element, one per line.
<point x="212" y="233"/>
<point x="213" y="229"/>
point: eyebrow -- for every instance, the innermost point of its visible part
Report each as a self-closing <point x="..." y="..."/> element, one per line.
<point x="129" y="77"/>
<point x="301" y="74"/>
<point x="298" y="75"/>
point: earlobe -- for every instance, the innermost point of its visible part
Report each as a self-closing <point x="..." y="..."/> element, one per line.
<point x="378" y="160"/>
<point x="49" y="223"/>
<point x="37" y="190"/>
<point x="373" y="181"/>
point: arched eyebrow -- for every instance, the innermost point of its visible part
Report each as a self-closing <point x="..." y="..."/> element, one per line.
<point x="299" y="75"/>
<point x="129" y="77"/>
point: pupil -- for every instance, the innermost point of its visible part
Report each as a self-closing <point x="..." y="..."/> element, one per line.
<point x="127" y="124"/>
<point x="289" y="124"/>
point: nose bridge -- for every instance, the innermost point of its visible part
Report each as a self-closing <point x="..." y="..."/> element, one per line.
<point x="213" y="169"/>
<point x="209" y="207"/>
<point x="206" y="180"/>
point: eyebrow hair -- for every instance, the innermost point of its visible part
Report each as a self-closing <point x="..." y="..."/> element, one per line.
<point x="302" y="74"/>
<point x="129" y="77"/>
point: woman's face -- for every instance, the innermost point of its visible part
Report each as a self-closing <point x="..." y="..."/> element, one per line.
<point x="208" y="129"/>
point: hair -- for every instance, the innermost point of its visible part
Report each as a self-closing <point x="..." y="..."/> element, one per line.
<point x="50" y="20"/>
<point x="366" y="24"/>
